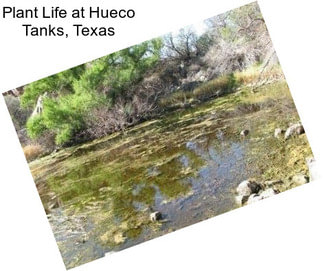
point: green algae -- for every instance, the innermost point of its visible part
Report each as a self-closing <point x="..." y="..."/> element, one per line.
<point x="115" y="180"/>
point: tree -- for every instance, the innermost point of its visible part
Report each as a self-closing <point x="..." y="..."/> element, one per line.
<point x="72" y="94"/>
<point x="56" y="85"/>
<point x="240" y="38"/>
<point x="182" y="46"/>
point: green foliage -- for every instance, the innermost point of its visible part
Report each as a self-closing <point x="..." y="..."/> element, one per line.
<point x="63" y="116"/>
<point x="117" y="72"/>
<point x="35" y="126"/>
<point x="57" y="84"/>
<point x="75" y="92"/>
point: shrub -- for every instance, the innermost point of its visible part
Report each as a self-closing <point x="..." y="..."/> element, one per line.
<point x="75" y="92"/>
<point x="35" y="126"/>
<point x="32" y="152"/>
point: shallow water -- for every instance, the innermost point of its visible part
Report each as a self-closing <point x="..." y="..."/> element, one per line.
<point x="196" y="183"/>
<point x="185" y="165"/>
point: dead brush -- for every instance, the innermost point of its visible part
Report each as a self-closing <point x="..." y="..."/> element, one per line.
<point x="32" y="152"/>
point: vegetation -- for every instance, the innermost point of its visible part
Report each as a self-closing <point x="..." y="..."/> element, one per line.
<point x="116" y="179"/>
<point x="72" y="94"/>
<point x="32" y="152"/>
<point x="157" y="127"/>
<point x="146" y="80"/>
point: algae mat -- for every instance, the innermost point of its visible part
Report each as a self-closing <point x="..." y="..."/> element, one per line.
<point x="100" y="195"/>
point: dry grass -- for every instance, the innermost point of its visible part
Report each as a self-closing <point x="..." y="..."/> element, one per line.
<point x="32" y="152"/>
<point x="248" y="76"/>
<point x="215" y="87"/>
<point x="256" y="73"/>
<point x="178" y="97"/>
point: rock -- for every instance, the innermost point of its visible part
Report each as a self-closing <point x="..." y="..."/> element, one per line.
<point x="295" y="129"/>
<point x="278" y="132"/>
<point x="313" y="168"/>
<point x="300" y="179"/>
<point x="155" y="216"/>
<point x="253" y="198"/>
<point x="267" y="193"/>
<point x="244" y="132"/>
<point x="246" y="188"/>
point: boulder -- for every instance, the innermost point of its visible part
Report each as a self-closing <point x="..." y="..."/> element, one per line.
<point x="246" y="188"/>
<point x="295" y="129"/>
<point x="244" y="132"/>
<point x="313" y="168"/>
<point x="253" y="198"/>
<point x="156" y="216"/>
<point x="267" y="193"/>
<point x="300" y="179"/>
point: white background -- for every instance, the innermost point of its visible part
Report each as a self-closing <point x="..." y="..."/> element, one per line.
<point x="281" y="233"/>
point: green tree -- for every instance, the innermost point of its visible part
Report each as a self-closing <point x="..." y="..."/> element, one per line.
<point x="75" y="92"/>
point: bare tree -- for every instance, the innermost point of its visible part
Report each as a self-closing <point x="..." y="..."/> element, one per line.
<point x="183" y="45"/>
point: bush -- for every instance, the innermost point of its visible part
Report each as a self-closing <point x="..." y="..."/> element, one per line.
<point x="216" y="87"/>
<point x="32" y="152"/>
<point x="35" y="126"/>
<point x="74" y="93"/>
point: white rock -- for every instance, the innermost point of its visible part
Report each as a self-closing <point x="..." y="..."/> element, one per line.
<point x="253" y="198"/>
<point x="244" y="132"/>
<point x="268" y="193"/>
<point x="300" y="179"/>
<point x="246" y="188"/>
<point x="295" y="129"/>
<point x="313" y="169"/>
<point x="155" y="216"/>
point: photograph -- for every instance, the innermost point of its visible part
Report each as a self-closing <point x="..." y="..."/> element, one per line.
<point x="161" y="135"/>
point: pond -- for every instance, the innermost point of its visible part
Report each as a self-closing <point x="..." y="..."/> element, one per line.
<point x="186" y="165"/>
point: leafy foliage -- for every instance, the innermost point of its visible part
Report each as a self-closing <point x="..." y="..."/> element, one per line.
<point x="73" y="93"/>
<point x="58" y="84"/>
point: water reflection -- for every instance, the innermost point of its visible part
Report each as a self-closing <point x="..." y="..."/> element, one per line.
<point x="118" y="186"/>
